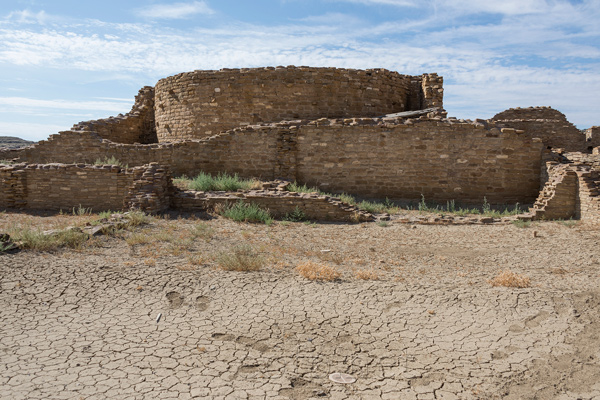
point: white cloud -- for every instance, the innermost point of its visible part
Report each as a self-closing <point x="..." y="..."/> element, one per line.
<point x="27" y="17"/>
<point x="397" y="3"/>
<point x="18" y="102"/>
<point x="506" y="7"/>
<point x="175" y="10"/>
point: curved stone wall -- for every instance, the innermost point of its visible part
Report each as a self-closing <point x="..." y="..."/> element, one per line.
<point x="199" y="104"/>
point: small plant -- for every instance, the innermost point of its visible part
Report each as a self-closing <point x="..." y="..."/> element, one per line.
<point x="7" y="162"/>
<point x="202" y="230"/>
<point x="519" y="223"/>
<point x="110" y="161"/>
<point x="105" y="214"/>
<point x="247" y="212"/>
<point x="81" y="211"/>
<point x="240" y="258"/>
<point x="486" y="208"/>
<point x="318" y="272"/>
<point x="510" y="279"/>
<point x="295" y="216"/>
<point x="383" y="224"/>
<point x="422" y="204"/>
<point x="136" y="218"/>
<point x="569" y="223"/>
<point x="366" y="274"/>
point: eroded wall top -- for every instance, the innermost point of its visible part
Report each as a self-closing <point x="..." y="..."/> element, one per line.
<point x="203" y="103"/>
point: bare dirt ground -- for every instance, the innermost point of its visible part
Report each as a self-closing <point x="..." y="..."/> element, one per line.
<point x="83" y="324"/>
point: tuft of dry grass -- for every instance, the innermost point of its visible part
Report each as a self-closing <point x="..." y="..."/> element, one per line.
<point x="508" y="278"/>
<point x="366" y="274"/>
<point x="318" y="272"/>
<point x="240" y="258"/>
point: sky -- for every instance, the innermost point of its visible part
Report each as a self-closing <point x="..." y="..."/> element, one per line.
<point x="65" y="61"/>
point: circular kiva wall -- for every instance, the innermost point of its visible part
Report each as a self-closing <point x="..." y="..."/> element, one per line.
<point x="202" y="103"/>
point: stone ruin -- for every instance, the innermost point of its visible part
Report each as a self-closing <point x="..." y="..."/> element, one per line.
<point x="372" y="133"/>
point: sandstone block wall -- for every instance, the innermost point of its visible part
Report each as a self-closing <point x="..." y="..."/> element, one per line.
<point x="202" y="103"/>
<point x="547" y="124"/>
<point x="592" y="137"/>
<point x="60" y="186"/>
<point x="375" y="158"/>
<point x="315" y="207"/>
<point x="559" y="197"/>
<point x="137" y="126"/>
<point x="439" y="160"/>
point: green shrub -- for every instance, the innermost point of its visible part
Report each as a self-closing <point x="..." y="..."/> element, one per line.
<point x="222" y="182"/>
<point x="295" y="216"/>
<point x="247" y="212"/>
<point x="110" y="161"/>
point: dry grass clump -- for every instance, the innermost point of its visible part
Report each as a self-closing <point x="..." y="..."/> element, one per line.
<point x="240" y="258"/>
<point x="318" y="272"/>
<point x="366" y="274"/>
<point x="510" y="279"/>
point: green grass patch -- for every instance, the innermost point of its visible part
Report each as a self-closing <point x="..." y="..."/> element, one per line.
<point x="247" y="212"/>
<point x="519" y="223"/>
<point x="110" y="161"/>
<point x="222" y="182"/>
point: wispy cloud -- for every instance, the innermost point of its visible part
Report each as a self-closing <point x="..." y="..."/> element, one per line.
<point x="18" y="102"/>
<point x="175" y="10"/>
<point x="27" y="17"/>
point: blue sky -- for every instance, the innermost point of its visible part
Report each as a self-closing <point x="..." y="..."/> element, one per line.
<point x="62" y="61"/>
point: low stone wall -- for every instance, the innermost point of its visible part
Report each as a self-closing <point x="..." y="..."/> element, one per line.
<point x="99" y="188"/>
<point x="314" y="206"/>
<point x="64" y="187"/>
<point x="137" y="126"/>
<point x="403" y="159"/>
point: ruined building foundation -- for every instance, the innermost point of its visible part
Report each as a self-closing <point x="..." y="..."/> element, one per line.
<point x="371" y="133"/>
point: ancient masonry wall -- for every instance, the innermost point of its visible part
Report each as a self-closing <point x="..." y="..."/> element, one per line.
<point x="137" y="126"/>
<point x="199" y="104"/>
<point x="314" y="206"/>
<point x="60" y="186"/>
<point x="547" y="124"/>
<point x="592" y="137"/>
<point x="68" y="186"/>
<point x="559" y="197"/>
<point x="377" y="158"/>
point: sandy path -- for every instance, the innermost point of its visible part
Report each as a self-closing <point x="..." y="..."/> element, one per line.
<point x="82" y="325"/>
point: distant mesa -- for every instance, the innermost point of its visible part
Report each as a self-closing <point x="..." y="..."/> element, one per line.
<point x="12" y="142"/>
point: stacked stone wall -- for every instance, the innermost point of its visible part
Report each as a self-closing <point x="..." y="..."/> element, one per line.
<point x="314" y="206"/>
<point x="375" y="158"/>
<point x="137" y="126"/>
<point x="63" y="187"/>
<point x="547" y="124"/>
<point x="559" y="197"/>
<point x="592" y="137"/>
<point x="202" y="103"/>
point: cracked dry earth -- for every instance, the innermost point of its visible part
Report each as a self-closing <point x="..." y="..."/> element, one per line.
<point x="82" y="325"/>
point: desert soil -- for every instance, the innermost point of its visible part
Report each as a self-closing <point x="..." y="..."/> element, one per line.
<point x="83" y="324"/>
